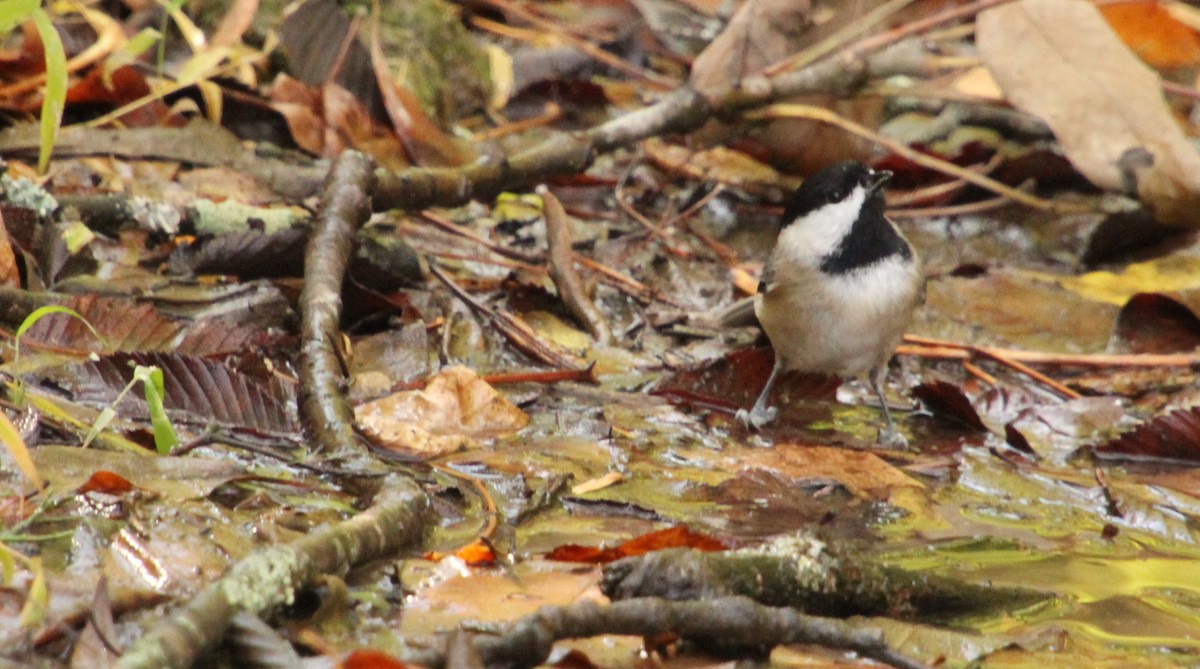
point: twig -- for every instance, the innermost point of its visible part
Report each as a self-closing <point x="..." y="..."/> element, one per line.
<point x="875" y="42"/>
<point x="562" y="269"/>
<point x="501" y="378"/>
<point x="515" y="329"/>
<point x="942" y="189"/>
<point x="549" y="115"/>
<point x="271" y="577"/>
<point x="722" y="251"/>
<point x="951" y="210"/>
<point x="652" y="79"/>
<point x="974" y="370"/>
<point x="852" y="29"/>
<point x="344" y="208"/>
<point x="681" y="110"/>
<point x="946" y="350"/>
<point x="733" y="624"/>
<point x="466" y="233"/>
<point x="826" y="116"/>
<point x="1021" y="367"/>
<point x="629" y="285"/>
<point x="655" y="231"/>
<point x="489" y="504"/>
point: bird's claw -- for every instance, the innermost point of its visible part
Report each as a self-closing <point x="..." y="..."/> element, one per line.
<point x="890" y="438"/>
<point x="756" y="418"/>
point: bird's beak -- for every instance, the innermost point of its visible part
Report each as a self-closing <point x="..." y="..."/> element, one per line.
<point x="877" y="178"/>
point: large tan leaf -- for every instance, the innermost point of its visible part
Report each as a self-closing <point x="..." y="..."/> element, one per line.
<point x="455" y="407"/>
<point x="1060" y="60"/>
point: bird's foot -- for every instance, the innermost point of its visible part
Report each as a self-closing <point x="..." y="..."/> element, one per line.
<point x="756" y="418"/>
<point x="890" y="438"/>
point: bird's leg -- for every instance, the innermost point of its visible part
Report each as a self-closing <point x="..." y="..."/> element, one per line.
<point x="887" y="436"/>
<point x="760" y="414"/>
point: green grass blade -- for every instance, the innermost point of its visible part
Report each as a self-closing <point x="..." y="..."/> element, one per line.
<point x="56" y="86"/>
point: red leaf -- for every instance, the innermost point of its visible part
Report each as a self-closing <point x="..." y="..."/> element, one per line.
<point x="106" y="482"/>
<point x="674" y="537"/>
<point x="365" y="658"/>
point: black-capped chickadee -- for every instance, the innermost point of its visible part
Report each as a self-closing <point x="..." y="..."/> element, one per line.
<point x="840" y="285"/>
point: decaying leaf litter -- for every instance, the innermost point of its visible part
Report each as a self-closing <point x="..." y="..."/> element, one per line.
<point x="1048" y="486"/>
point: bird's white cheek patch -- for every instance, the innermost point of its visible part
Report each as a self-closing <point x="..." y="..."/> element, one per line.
<point x="818" y="233"/>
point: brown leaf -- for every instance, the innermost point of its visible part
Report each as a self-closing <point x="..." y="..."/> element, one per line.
<point x="864" y="474"/>
<point x="455" y="407"/>
<point x="235" y="23"/>
<point x="1104" y="105"/>
<point x="123" y="85"/>
<point x="425" y="142"/>
<point x="1174" y="436"/>
<point x="328" y="119"/>
<point x="198" y="391"/>
<point x="123" y="324"/>
<point x="1156" y="323"/>
<point x="948" y="400"/>
<point x="760" y="33"/>
<point x="9" y="273"/>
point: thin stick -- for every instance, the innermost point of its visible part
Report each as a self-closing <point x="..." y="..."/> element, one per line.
<point x="826" y="46"/>
<point x="951" y="210"/>
<point x="514" y="328"/>
<point x="1031" y="373"/>
<point x="489" y="504"/>
<point x="591" y="50"/>
<point x="881" y="40"/>
<point x="459" y="231"/>
<point x="946" y="350"/>
<point x="972" y="369"/>
<point x="942" y="189"/>
<point x="826" y="116"/>
<point x="550" y="114"/>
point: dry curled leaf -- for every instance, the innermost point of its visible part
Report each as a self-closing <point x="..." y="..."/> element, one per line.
<point x="455" y="407"/>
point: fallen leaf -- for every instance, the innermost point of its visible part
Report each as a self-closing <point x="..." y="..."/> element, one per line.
<point x="475" y="554"/>
<point x="673" y="537"/>
<point x="455" y="407"/>
<point x="1156" y="323"/>
<point x="1104" y="105"/>
<point x="864" y="474"/>
<point x="106" y="482"/>
<point x="1153" y="33"/>
<point x="759" y="34"/>
<point x="366" y="658"/>
<point x="10" y="275"/>
<point x="1173" y="436"/>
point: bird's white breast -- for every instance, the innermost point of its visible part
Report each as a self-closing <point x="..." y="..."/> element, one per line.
<point x="843" y="324"/>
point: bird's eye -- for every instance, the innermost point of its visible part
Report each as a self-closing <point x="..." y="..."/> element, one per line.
<point x="837" y="195"/>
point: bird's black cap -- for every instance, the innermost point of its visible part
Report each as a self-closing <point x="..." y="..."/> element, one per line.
<point x="871" y="238"/>
<point x="832" y="184"/>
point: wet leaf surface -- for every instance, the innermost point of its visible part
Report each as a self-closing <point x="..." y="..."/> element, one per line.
<point x="1048" y="393"/>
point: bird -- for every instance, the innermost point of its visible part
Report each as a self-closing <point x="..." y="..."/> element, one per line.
<point x="839" y="287"/>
